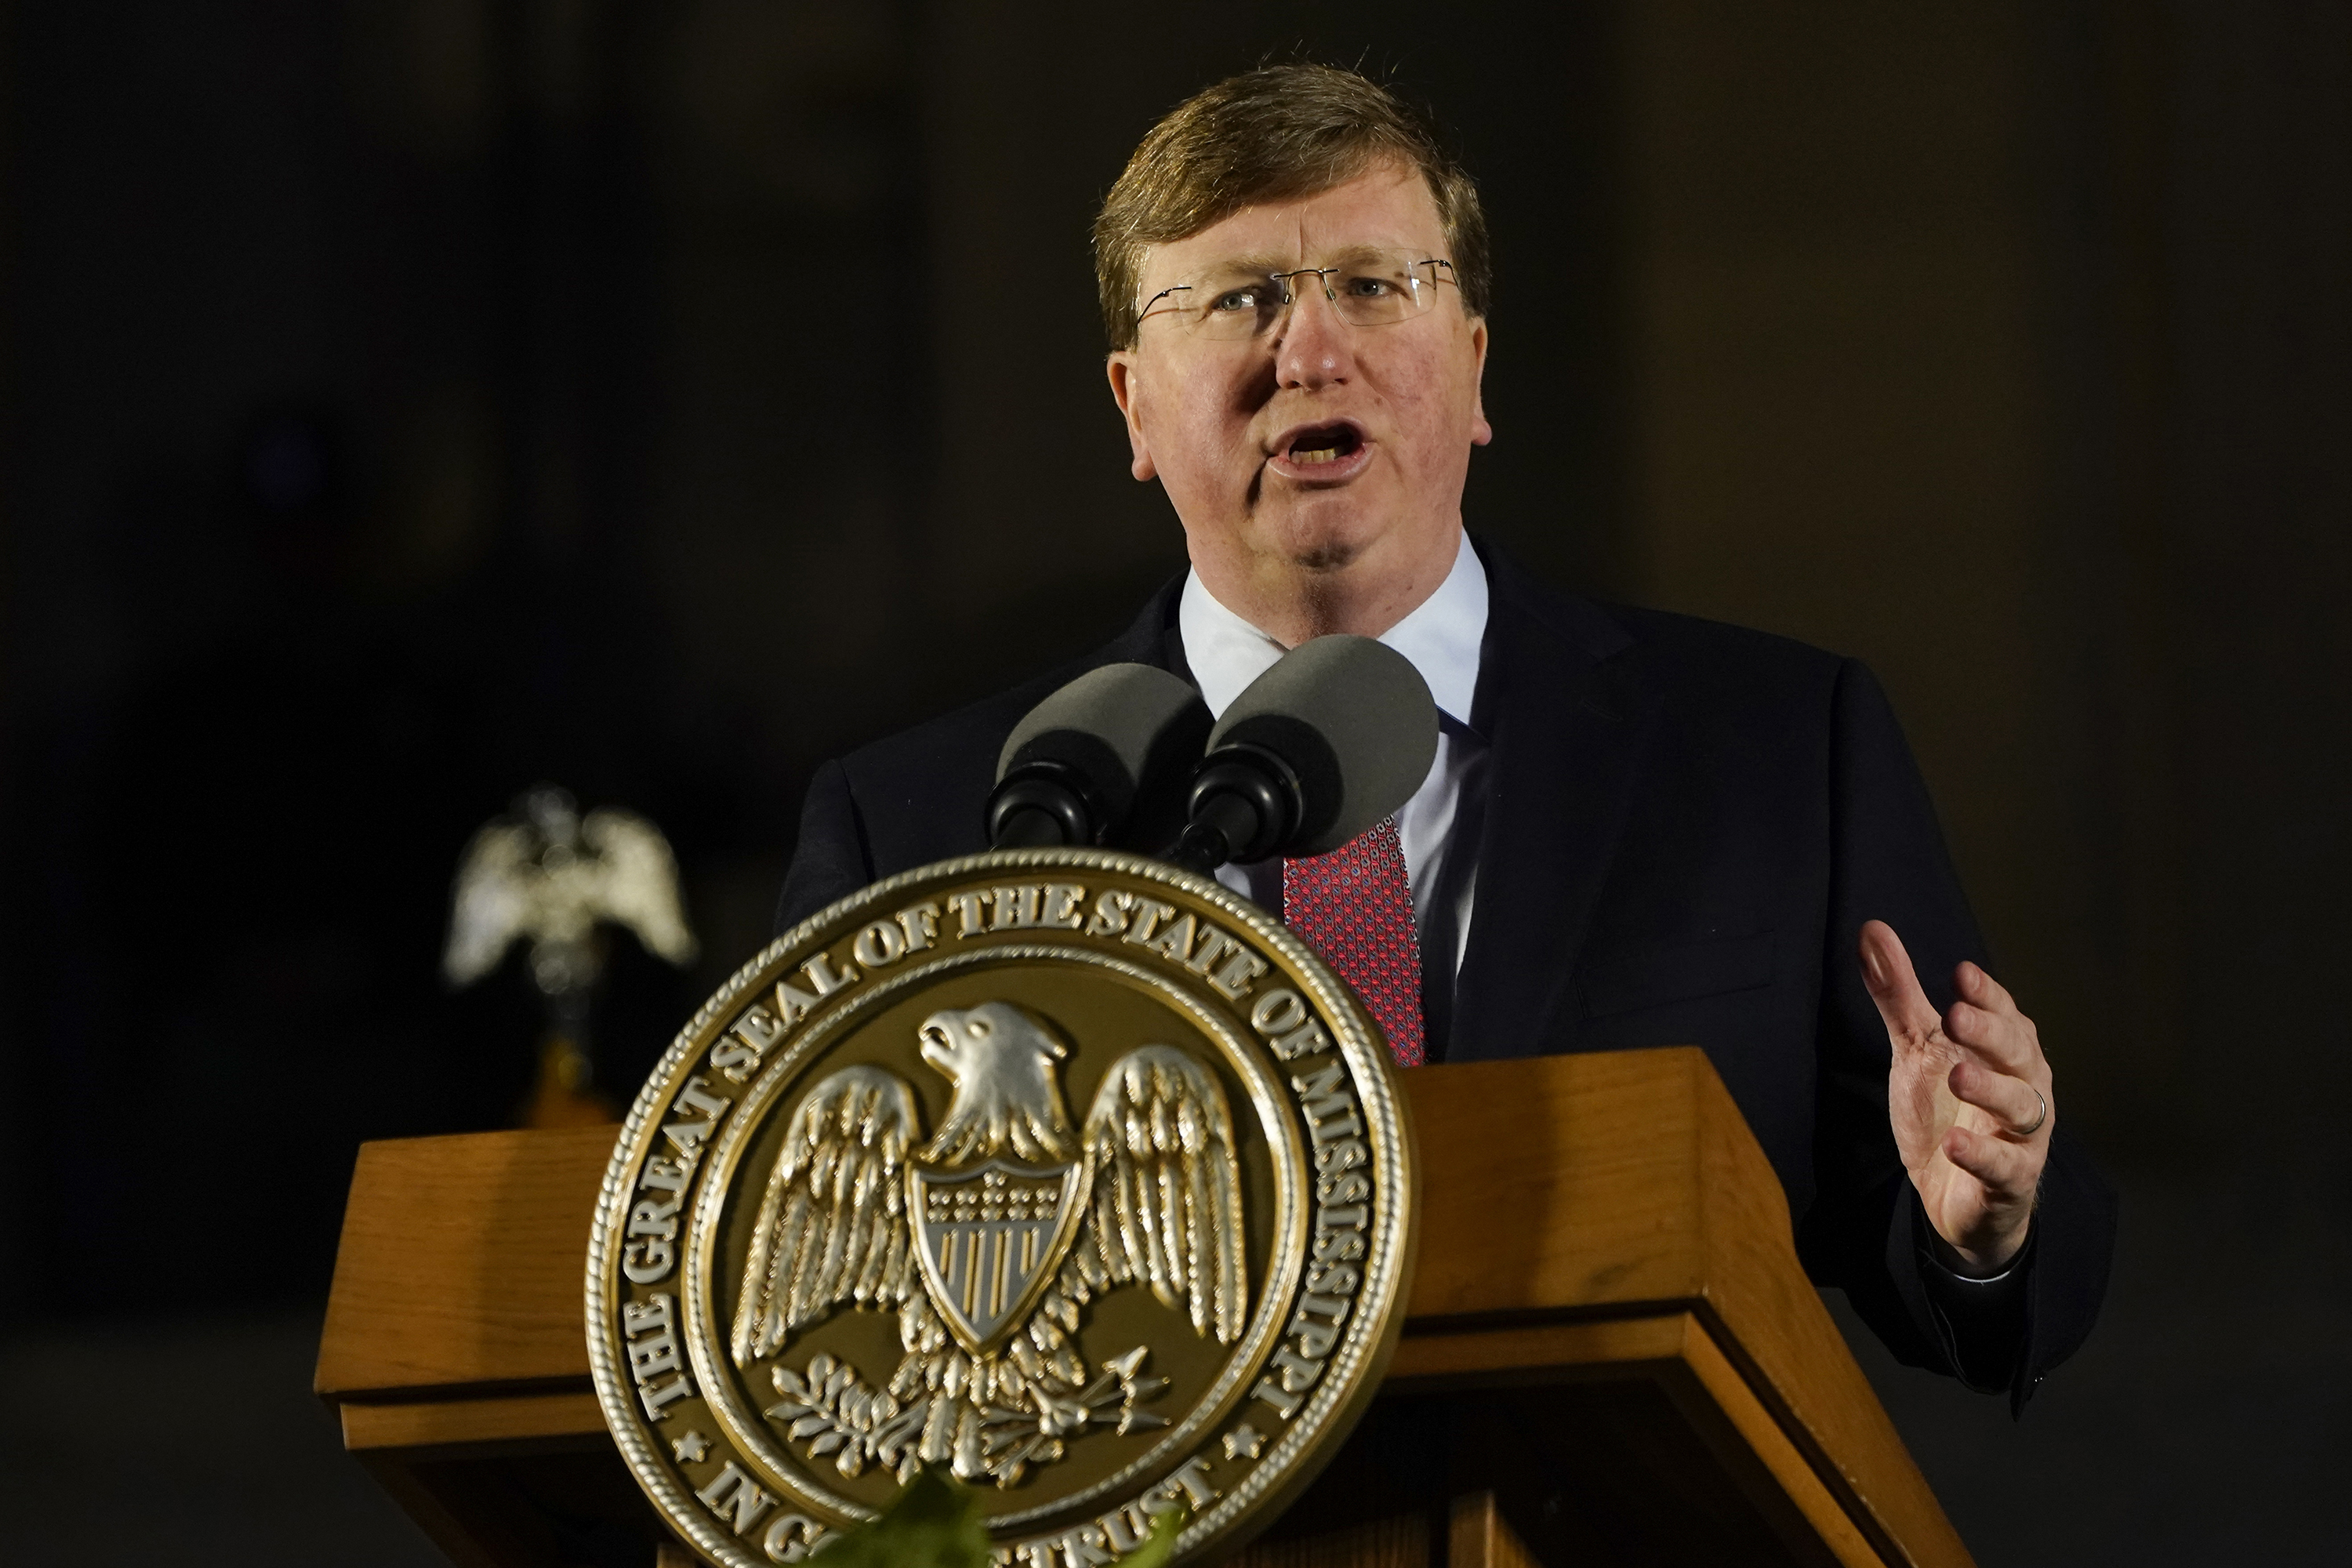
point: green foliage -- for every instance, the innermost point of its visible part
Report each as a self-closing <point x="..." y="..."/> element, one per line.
<point x="936" y="1523"/>
<point x="1160" y="1544"/>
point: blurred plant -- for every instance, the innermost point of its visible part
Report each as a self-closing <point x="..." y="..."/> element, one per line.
<point x="936" y="1523"/>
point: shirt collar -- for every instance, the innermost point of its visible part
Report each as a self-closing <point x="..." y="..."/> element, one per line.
<point x="1441" y="637"/>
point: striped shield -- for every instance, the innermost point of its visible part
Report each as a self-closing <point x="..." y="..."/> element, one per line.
<point x="990" y="1237"/>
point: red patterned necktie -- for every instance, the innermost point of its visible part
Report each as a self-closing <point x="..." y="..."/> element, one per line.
<point x="1355" y="908"/>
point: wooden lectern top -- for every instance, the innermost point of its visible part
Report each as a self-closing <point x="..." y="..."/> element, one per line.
<point x="1587" y="1222"/>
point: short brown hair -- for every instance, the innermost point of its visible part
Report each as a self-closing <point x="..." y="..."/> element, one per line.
<point x="1267" y="135"/>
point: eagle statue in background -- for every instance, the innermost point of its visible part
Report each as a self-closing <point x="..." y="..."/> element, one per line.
<point x="551" y="875"/>
<point x="986" y="1238"/>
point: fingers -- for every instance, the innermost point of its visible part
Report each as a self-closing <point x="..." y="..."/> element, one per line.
<point x="2005" y="1042"/>
<point x="1980" y="989"/>
<point x="1987" y="1021"/>
<point x="1893" y="985"/>
<point x="2009" y="1171"/>
<point x="2018" y="1108"/>
<point x="1963" y="1087"/>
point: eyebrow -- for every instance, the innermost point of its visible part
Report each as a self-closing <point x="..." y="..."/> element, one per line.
<point x="1267" y="262"/>
<point x="1262" y="261"/>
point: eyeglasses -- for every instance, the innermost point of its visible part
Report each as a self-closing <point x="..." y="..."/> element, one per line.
<point x="1374" y="288"/>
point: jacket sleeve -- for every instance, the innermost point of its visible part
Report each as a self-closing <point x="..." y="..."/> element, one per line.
<point x="832" y="859"/>
<point x="1865" y="1231"/>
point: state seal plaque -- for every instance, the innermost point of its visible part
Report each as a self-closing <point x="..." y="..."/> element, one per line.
<point x="1066" y="1170"/>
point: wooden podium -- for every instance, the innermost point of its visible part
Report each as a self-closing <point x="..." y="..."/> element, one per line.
<point x="1636" y="1369"/>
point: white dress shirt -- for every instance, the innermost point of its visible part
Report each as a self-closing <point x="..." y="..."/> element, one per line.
<point x="1441" y="638"/>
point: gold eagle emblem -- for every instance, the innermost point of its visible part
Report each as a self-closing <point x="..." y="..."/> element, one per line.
<point x="1140" y="1246"/>
<point x="987" y="1238"/>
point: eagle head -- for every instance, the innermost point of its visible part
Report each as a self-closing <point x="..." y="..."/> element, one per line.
<point x="1008" y="1099"/>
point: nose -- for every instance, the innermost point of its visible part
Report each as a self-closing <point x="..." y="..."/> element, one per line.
<point x="1317" y="347"/>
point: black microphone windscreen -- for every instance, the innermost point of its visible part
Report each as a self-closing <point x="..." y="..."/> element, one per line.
<point x="1354" y="720"/>
<point x="1129" y="730"/>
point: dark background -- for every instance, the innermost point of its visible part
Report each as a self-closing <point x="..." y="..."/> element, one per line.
<point x="407" y="401"/>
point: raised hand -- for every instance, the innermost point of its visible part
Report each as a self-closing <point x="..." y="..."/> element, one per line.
<point x="1969" y="1098"/>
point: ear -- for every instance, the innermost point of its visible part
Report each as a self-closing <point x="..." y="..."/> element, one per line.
<point x="1481" y="433"/>
<point x="1125" y="390"/>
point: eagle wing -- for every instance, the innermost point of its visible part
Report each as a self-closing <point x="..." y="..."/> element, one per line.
<point x="832" y="1226"/>
<point x="638" y="885"/>
<point x="491" y="903"/>
<point x="1167" y="1199"/>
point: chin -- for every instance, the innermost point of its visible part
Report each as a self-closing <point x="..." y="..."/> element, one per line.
<point x="1323" y="533"/>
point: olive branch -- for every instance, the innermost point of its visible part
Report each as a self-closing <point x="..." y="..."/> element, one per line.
<point x="830" y="1409"/>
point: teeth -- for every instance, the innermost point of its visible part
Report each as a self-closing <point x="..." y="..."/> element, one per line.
<point x="1321" y="455"/>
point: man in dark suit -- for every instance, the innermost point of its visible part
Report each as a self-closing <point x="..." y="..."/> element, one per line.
<point x="1641" y="829"/>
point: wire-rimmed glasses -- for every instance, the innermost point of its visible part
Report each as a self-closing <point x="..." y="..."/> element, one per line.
<point x="1369" y="287"/>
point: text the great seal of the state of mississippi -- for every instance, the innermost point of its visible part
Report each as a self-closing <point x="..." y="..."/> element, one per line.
<point x="1066" y="1170"/>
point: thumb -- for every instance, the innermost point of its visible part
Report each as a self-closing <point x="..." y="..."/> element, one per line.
<point x="1886" y="971"/>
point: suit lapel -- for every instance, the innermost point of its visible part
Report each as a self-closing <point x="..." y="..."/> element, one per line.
<point x="1151" y="637"/>
<point x="1563" y="702"/>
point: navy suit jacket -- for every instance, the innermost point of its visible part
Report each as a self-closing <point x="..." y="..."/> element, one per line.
<point x="1685" y="826"/>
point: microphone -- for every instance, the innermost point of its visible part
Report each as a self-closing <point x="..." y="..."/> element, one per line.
<point x="1336" y="736"/>
<point x="1106" y="753"/>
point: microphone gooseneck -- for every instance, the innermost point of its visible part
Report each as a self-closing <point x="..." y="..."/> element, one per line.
<point x="1244" y="802"/>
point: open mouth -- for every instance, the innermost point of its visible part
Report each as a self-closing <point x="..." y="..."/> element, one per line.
<point x="1320" y="443"/>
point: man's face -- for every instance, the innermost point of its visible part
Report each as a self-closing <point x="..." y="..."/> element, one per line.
<point x="1241" y="432"/>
